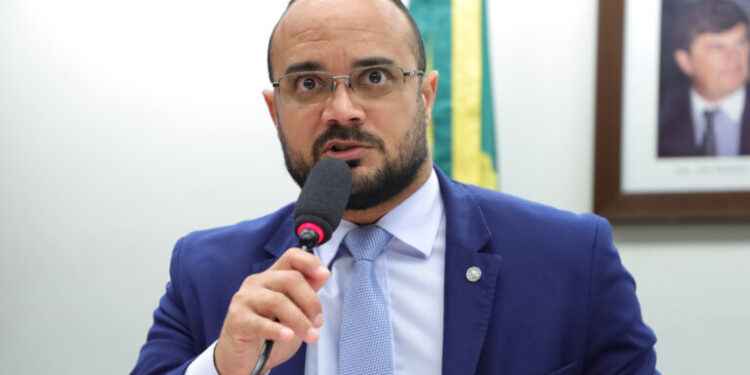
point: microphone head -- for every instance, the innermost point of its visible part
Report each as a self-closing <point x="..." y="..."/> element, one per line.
<point x="323" y="198"/>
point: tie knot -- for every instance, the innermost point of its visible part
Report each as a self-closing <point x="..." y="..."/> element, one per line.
<point x="710" y="114"/>
<point x="367" y="242"/>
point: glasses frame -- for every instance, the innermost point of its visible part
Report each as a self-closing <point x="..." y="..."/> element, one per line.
<point x="334" y="79"/>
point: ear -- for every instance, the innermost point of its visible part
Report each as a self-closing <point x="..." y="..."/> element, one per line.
<point x="682" y="58"/>
<point x="429" y="91"/>
<point x="268" y="96"/>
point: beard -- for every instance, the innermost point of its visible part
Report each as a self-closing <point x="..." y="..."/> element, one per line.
<point x="398" y="171"/>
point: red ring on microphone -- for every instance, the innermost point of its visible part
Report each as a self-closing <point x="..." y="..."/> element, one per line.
<point x="312" y="227"/>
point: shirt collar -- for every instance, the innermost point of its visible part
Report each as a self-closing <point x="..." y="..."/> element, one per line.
<point x="732" y="105"/>
<point x="425" y="207"/>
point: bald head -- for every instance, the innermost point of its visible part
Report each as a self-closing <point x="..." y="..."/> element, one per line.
<point x="398" y="15"/>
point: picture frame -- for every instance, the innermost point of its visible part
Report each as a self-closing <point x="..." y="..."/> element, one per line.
<point x="712" y="189"/>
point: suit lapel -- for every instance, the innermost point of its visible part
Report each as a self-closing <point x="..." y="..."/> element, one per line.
<point x="468" y="307"/>
<point x="683" y="133"/>
<point x="468" y="304"/>
<point x="282" y="240"/>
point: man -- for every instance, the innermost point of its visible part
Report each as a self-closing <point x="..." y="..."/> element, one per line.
<point x="712" y="116"/>
<point x="470" y="280"/>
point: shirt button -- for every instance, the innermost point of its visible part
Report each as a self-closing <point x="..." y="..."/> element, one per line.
<point x="473" y="274"/>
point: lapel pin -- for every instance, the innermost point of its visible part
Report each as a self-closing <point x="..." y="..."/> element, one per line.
<point x="473" y="274"/>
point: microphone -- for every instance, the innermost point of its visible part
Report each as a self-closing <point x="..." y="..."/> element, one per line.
<point x="322" y="202"/>
<point x="319" y="209"/>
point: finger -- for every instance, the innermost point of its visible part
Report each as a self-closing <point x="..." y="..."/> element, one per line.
<point x="257" y="327"/>
<point x="295" y="258"/>
<point x="272" y="330"/>
<point x="272" y="304"/>
<point x="297" y="288"/>
<point x="308" y="264"/>
<point x="318" y="278"/>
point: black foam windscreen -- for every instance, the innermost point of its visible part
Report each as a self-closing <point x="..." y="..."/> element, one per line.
<point x="324" y="196"/>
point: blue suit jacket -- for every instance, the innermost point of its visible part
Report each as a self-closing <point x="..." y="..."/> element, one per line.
<point x="553" y="298"/>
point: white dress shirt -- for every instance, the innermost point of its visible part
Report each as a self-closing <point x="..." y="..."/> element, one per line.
<point x="410" y="273"/>
<point x="727" y="121"/>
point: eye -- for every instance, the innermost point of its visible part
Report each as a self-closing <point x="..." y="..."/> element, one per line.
<point x="715" y="46"/>
<point x="374" y="77"/>
<point x="308" y="82"/>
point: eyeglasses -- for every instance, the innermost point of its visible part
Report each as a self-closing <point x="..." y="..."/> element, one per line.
<point x="366" y="83"/>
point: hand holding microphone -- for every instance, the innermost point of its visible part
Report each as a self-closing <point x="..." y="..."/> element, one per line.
<point x="281" y="304"/>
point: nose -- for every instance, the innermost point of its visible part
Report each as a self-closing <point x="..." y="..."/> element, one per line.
<point x="342" y="108"/>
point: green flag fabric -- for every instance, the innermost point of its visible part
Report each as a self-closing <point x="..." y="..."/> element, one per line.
<point x="462" y="133"/>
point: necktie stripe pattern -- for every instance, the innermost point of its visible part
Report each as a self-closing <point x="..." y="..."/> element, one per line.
<point x="365" y="344"/>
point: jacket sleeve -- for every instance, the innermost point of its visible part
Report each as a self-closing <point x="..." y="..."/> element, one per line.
<point x="618" y="341"/>
<point x="169" y="347"/>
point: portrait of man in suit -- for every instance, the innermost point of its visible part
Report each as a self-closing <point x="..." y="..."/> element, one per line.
<point x="709" y="115"/>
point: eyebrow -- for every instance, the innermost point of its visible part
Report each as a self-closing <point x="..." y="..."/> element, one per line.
<point x="303" y="66"/>
<point x="307" y="66"/>
<point x="370" y="61"/>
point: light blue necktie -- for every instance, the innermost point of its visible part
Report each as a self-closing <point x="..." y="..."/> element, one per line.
<point x="365" y="345"/>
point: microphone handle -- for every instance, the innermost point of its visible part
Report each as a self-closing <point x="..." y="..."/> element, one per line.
<point x="265" y="350"/>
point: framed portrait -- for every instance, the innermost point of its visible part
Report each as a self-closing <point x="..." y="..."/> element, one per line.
<point x="673" y="110"/>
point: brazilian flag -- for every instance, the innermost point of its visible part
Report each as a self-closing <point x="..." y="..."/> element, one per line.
<point x="462" y="133"/>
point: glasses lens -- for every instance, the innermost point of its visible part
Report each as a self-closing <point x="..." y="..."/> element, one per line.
<point x="305" y="87"/>
<point x="373" y="82"/>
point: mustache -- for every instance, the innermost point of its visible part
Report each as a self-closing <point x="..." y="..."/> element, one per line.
<point x="349" y="133"/>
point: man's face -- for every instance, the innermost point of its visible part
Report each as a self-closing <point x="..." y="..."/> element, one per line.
<point x="382" y="139"/>
<point x="717" y="63"/>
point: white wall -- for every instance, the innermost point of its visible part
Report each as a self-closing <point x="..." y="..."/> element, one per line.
<point x="126" y="124"/>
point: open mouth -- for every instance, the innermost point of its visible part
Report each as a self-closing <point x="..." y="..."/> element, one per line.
<point x="346" y="150"/>
<point x="339" y="148"/>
